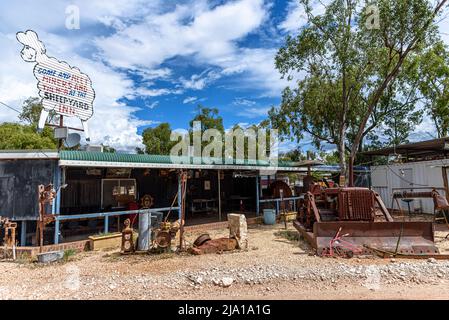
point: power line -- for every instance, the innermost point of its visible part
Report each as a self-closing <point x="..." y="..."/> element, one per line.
<point x="9" y="107"/>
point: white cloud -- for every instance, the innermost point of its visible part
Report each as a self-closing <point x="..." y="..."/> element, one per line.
<point x="257" y="70"/>
<point x="153" y="105"/>
<point x="243" y="102"/>
<point x="296" y="16"/>
<point x="140" y="36"/>
<point x="154" y="74"/>
<point x="148" y="92"/>
<point x="254" y="112"/>
<point x="190" y="100"/>
<point x="200" y="81"/>
<point x="187" y="30"/>
<point x="208" y="36"/>
<point x="111" y="118"/>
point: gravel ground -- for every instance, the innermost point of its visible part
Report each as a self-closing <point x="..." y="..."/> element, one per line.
<point x="276" y="266"/>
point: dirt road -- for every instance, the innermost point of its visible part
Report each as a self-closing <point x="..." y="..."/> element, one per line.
<point x="277" y="266"/>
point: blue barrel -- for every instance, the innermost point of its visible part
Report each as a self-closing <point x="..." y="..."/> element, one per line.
<point x="269" y="216"/>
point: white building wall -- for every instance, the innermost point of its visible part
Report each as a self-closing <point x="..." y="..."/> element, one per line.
<point x="425" y="174"/>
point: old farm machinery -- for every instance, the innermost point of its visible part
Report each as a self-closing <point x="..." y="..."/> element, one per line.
<point x="355" y="221"/>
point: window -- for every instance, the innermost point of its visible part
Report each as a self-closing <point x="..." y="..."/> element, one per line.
<point x="117" y="192"/>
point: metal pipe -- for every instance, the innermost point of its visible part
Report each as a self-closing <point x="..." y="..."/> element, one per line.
<point x="143" y="241"/>
<point x="106" y="224"/>
<point x="56" y="239"/>
<point x="257" y="195"/>
<point x="279" y="199"/>
<point x="23" y="233"/>
<point x="219" y="195"/>
<point x="179" y="197"/>
<point x="110" y="214"/>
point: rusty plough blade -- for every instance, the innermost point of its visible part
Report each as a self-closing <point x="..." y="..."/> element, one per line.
<point x="399" y="238"/>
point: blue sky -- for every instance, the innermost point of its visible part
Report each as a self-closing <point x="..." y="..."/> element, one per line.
<point x="154" y="61"/>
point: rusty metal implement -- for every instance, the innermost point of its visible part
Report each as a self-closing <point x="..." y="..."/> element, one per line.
<point x="361" y="215"/>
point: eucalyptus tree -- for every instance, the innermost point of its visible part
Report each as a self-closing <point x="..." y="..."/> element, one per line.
<point x="346" y="59"/>
<point x="434" y="86"/>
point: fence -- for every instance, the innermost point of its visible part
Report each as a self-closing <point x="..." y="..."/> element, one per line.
<point x="286" y="201"/>
<point x="106" y="216"/>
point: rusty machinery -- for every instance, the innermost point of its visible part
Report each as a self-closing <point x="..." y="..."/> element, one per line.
<point x="127" y="238"/>
<point x="9" y="239"/>
<point x="361" y="215"/>
<point x="281" y="190"/>
<point x="46" y="195"/>
<point x="440" y="202"/>
<point x="164" y="234"/>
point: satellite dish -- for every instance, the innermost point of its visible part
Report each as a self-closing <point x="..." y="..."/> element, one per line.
<point x="73" y="139"/>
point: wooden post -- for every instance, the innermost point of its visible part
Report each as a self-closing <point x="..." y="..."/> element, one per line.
<point x="351" y="172"/>
<point x="179" y="197"/>
<point x="445" y="182"/>
<point x="61" y="124"/>
<point x="183" y="206"/>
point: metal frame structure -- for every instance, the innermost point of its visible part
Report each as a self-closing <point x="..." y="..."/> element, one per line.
<point x="105" y="215"/>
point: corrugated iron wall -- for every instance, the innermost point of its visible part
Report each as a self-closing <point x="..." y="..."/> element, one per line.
<point x="425" y="174"/>
<point x="19" y="180"/>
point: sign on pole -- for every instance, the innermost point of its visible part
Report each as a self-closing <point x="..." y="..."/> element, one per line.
<point x="63" y="89"/>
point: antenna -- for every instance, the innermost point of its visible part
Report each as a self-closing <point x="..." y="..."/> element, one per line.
<point x="72" y="140"/>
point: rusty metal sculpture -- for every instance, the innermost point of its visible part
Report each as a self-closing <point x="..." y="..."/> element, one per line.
<point x="46" y="196"/>
<point x="9" y="240"/>
<point x="127" y="238"/>
<point x="164" y="235"/>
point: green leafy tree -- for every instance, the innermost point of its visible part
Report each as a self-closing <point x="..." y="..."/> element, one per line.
<point x="209" y="118"/>
<point x="108" y="149"/>
<point x="18" y="136"/>
<point x="434" y="86"/>
<point x="157" y="139"/>
<point x="292" y="155"/>
<point x="347" y="65"/>
<point x="31" y="111"/>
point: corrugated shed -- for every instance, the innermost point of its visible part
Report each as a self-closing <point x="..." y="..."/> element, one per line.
<point x="425" y="175"/>
<point x="156" y="159"/>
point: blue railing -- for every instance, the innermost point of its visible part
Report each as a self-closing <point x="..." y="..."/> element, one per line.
<point x="279" y="200"/>
<point x="105" y="215"/>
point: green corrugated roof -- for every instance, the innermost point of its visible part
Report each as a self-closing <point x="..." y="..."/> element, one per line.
<point x="148" y="158"/>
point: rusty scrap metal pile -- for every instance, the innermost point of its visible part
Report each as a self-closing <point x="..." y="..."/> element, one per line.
<point x="46" y="196"/>
<point x="238" y="238"/>
<point x="9" y="238"/>
<point x="355" y="221"/>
